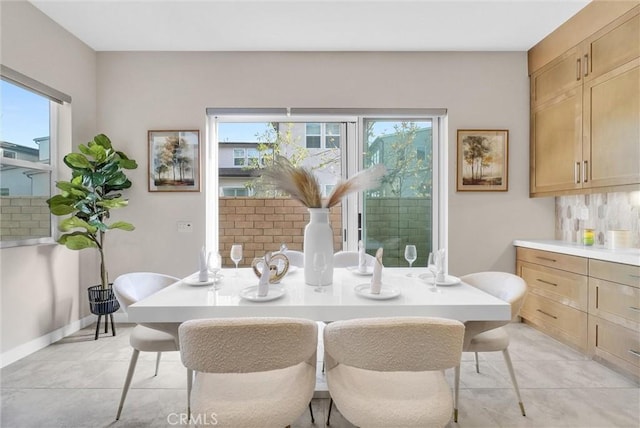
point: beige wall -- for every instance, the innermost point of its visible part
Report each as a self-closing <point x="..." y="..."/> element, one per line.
<point x="137" y="92"/>
<point x="142" y="91"/>
<point x="40" y="288"/>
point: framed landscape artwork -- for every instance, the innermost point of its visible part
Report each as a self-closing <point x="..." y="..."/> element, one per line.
<point x="483" y="160"/>
<point x="174" y="161"/>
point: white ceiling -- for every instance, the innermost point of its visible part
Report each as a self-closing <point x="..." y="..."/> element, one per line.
<point x="310" y="25"/>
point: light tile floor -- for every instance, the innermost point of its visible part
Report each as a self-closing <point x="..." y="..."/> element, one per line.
<point x="77" y="382"/>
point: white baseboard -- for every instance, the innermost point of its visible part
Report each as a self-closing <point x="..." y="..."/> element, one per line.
<point x="34" y="345"/>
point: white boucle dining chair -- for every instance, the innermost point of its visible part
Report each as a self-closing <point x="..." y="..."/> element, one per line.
<point x="350" y="258"/>
<point x="157" y="337"/>
<point x="388" y="372"/>
<point x="296" y="258"/>
<point x="490" y="336"/>
<point x="249" y="372"/>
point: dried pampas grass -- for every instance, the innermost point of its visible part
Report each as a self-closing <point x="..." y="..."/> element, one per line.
<point x="302" y="185"/>
<point x="368" y="179"/>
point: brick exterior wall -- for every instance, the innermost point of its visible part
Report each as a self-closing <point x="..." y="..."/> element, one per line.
<point x="23" y="217"/>
<point x="261" y="225"/>
<point x="395" y="222"/>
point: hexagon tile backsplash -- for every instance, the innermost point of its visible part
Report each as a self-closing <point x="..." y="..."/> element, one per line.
<point x="602" y="212"/>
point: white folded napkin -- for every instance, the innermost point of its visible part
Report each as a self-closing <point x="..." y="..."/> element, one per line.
<point x="203" y="271"/>
<point x="362" y="259"/>
<point x="263" y="283"/>
<point x="440" y="259"/>
<point x="376" y="279"/>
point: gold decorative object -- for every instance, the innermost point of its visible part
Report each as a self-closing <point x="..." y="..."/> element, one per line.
<point x="278" y="267"/>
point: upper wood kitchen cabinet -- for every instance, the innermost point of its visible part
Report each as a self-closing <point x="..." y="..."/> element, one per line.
<point x="585" y="113"/>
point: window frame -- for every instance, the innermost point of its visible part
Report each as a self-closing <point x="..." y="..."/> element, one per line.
<point x="351" y="146"/>
<point x="324" y="136"/>
<point x="243" y="158"/>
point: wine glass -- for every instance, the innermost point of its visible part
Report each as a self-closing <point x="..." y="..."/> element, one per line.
<point x="432" y="265"/>
<point x="319" y="266"/>
<point x="410" y="255"/>
<point x="215" y="264"/>
<point x="236" y="255"/>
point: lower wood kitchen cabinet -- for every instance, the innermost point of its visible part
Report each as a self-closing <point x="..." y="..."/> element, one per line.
<point x="557" y="297"/>
<point x="589" y="304"/>
<point x="614" y="314"/>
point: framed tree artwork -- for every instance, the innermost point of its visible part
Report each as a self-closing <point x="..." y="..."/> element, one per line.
<point x="174" y="161"/>
<point x="483" y="160"/>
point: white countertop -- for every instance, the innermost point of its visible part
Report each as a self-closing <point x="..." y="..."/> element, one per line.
<point x="180" y="302"/>
<point x="630" y="256"/>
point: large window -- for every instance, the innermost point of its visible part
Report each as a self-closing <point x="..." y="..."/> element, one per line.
<point x="406" y="209"/>
<point x="28" y="114"/>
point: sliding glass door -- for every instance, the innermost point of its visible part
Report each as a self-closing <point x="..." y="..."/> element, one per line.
<point x="400" y="211"/>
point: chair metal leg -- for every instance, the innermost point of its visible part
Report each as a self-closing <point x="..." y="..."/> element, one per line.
<point x="456" y="391"/>
<point x="113" y="327"/>
<point x="189" y="386"/>
<point x="106" y="324"/>
<point x="98" y="327"/>
<point x="329" y="412"/>
<point x="127" y="382"/>
<point x="311" y="413"/>
<point x="477" y="363"/>
<point x="157" y="363"/>
<point x="507" y="359"/>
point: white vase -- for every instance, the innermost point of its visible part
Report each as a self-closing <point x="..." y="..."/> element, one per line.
<point x="318" y="237"/>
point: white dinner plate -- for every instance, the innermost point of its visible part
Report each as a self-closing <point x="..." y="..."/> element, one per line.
<point x="356" y="270"/>
<point x="193" y="280"/>
<point x="292" y="269"/>
<point x="426" y="276"/>
<point x="386" y="293"/>
<point x="251" y="293"/>
<point x="448" y="279"/>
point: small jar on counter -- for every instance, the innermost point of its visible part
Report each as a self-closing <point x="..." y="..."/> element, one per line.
<point x="588" y="236"/>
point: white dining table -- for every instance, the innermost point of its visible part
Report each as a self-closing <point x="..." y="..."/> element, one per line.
<point x="181" y="302"/>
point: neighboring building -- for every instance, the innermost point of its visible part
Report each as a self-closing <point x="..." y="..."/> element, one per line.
<point x="317" y="143"/>
<point x="18" y="180"/>
<point x="407" y="157"/>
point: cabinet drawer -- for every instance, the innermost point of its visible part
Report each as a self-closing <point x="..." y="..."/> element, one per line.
<point x="563" y="322"/>
<point x="574" y="264"/>
<point x="616" y="344"/>
<point x="565" y="287"/>
<point x="615" y="272"/>
<point x="615" y="302"/>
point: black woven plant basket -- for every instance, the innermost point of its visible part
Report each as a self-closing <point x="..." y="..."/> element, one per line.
<point x="102" y="301"/>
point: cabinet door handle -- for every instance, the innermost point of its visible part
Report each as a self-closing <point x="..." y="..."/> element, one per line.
<point x="586" y="65"/>
<point x="546" y="282"/>
<point x="578" y="69"/>
<point x="585" y="172"/>
<point x="633" y="308"/>
<point x="547" y="314"/>
<point x="546" y="258"/>
<point x="576" y="173"/>
<point x="636" y="353"/>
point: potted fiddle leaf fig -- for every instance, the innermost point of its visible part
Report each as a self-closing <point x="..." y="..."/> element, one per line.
<point x="97" y="179"/>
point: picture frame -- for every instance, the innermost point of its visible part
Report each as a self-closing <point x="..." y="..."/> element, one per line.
<point x="174" y="161"/>
<point x="483" y="160"/>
